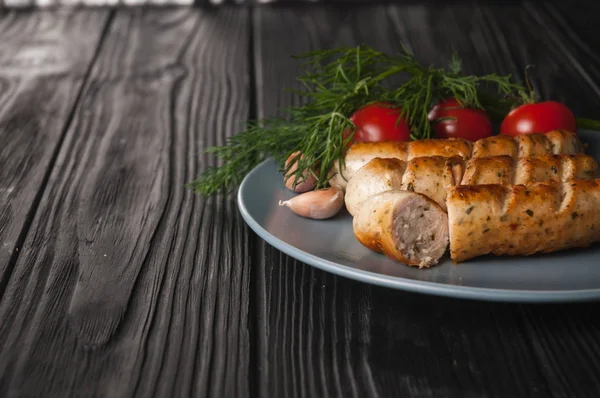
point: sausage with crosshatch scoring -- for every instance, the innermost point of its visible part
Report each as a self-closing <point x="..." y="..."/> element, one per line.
<point x="433" y="176"/>
<point x="361" y="153"/>
<point x="557" y="142"/>
<point x="526" y="170"/>
<point x="522" y="219"/>
<point x="430" y="176"/>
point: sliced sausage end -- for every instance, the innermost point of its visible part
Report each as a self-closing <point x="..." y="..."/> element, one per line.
<point x="406" y="226"/>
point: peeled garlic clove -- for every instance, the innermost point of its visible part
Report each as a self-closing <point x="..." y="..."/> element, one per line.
<point x="319" y="204"/>
<point x="306" y="182"/>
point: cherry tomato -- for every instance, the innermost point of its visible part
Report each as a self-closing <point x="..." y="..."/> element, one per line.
<point x="451" y="120"/>
<point x="380" y="122"/>
<point x="540" y="117"/>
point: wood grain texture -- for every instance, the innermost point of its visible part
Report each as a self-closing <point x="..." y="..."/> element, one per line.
<point x="129" y="284"/>
<point x="570" y="36"/>
<point x="44" y="58"/>
<point x="321" y="335"/>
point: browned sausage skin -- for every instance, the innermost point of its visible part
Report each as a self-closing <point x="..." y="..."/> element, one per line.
<point x="430" y="176"/>
<point x="564" y="142"/>
<point x="500" y="145"/>
<point x="490" y="170"/>
<point x="445" y="148"/>
<point x="433" y="176"/>
<point x="555" y="142"/>
<point x="379" y="175"/>
<point x="545" y="168"/>
<point x="522" y="219"/>
<point x="362" y="153"/>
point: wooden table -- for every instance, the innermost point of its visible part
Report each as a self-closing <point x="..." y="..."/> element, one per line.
<point x="117" y="281"/>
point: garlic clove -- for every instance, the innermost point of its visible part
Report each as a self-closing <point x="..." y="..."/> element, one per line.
<point x="319" y="204"/>
<point x="305" y="183"/>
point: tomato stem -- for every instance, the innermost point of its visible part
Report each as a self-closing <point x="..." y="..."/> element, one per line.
<point x="531" y="97"/>
<point x="590" y="124"/>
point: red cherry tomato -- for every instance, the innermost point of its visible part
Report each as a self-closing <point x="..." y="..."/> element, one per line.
<point x="380" y="122"/>
<point x="541" y="117"/>
<point x="450" y="120"/>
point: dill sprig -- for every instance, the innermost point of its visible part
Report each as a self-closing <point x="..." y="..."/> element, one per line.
<point x="336" y="83"/>
<point x="242" y="152"/>
<point x="416" y="96"/>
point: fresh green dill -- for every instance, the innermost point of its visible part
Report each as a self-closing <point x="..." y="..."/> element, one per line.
<point x="242" y="152"/>
<point x="335" y="84"/>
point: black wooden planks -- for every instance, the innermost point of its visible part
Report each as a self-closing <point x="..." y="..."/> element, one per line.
<point x="44" y="59"/>
<point x="129" y="283"/>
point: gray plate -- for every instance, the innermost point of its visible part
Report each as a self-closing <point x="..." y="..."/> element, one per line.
<point x="572" y="275"/>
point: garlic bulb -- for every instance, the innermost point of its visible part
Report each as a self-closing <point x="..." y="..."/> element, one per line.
<point x="306" y="182"/>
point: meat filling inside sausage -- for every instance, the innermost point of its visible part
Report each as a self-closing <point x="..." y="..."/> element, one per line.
<point x="420" y="231"/>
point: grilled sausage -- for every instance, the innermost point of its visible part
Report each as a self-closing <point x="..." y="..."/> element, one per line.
<point x="545" y="168"/>
<point x="564" y="142"/>
<point x="556" y="142"/>
<point x="405" y="226"/>
<point x="379" y="175"/>
<point x="446" y="148"/>
<point x="522" y="219"/>
<point x="499" y="145"/>
<point x="360" y="154"/>
<point x="433" y="176"/>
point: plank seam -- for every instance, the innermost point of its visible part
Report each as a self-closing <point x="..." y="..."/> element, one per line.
<point x="39" y="194"/>
<point x="257" y="254"/>
<point x="152" y="318"/>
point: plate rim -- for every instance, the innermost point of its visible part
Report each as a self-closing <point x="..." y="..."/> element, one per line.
<point x="406" y="284"/>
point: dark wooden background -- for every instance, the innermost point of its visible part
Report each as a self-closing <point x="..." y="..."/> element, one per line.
<point x="116" y="281"/>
